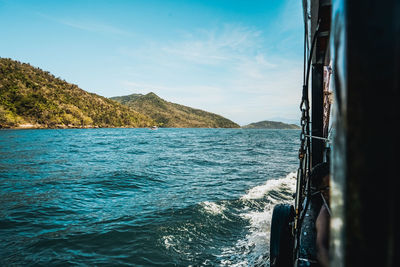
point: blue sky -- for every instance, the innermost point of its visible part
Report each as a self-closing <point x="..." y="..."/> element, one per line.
<point x="240" y="59"/>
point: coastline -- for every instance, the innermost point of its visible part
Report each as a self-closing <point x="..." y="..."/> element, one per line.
<point x="41" y="127"/>
<point x="29" y="126"/>
<point x="60" y="127"/>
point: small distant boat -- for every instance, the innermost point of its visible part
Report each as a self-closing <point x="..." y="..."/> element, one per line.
<point x="154" y="127"/>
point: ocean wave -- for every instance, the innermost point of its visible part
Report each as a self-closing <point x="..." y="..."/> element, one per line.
<point x="216" y="223"/>
<point x="253" y="249"/>
<point x="278" y="185"/>
<point x="213" y="208"/>
<point x="94" y="197"/>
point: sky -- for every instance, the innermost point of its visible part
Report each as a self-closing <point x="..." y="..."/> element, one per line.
<point x="241" y="59"/>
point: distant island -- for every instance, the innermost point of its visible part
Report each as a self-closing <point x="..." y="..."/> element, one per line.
<point x="172" y="115"/>
<point x="34" y="98"/>
<point x="270" y="125"/>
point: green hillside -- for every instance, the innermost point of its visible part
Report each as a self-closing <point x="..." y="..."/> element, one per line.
<point x="270" y="125"/>
<point x="168" y="114"/>
<point x="32" y="97"/>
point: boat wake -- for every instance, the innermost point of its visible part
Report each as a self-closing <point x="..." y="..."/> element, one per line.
<point x="229" y="232"/>
<point x="253" y="249"/>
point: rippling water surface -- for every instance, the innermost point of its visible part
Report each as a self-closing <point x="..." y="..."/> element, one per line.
<point x="170" y="197"/>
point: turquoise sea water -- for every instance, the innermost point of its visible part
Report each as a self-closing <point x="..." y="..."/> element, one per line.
<point x="139" y="197"/>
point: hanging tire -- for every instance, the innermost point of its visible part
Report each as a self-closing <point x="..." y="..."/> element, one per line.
<point x="281" y="240"/>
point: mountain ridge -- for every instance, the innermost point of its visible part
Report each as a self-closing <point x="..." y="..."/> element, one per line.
<point x="173" y="115"/>
<point x="33" y="98"/>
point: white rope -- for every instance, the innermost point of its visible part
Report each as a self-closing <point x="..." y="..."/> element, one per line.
<point x="318" y="137"/>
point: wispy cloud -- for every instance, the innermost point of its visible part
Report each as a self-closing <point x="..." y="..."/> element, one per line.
<point x="93" y="26"/>
<point x="214" y="46"/>
<point x="225" y="70"/>
<point x="87" y="25"/>
<point x="290" y="17"/>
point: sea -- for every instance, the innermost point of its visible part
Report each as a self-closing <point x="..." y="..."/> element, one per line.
<point x="142" y="197"/>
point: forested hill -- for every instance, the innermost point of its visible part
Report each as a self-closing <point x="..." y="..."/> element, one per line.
<point x="31" y="97"/>
<point x="270" y="125"/>
<point x="168" y="114"/>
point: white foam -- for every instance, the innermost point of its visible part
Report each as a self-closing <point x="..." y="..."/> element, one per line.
<point x="213" y="208"/>
<point x="288" y="183"/>
<point x="168" y="241"/>
<point x="172" y="243"/>
<point x="253" y="249"/>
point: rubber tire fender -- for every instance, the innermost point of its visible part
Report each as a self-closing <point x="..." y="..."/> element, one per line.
<point x="281" y="240"/>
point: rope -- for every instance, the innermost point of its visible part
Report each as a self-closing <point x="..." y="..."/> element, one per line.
<point x="303" y="186"/>
<point x="305" y="85"/>
<point x="319" y="138"/>
<point x="326" y="204"/>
